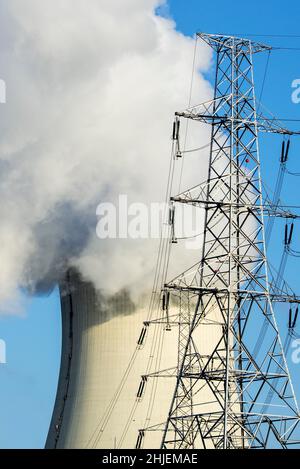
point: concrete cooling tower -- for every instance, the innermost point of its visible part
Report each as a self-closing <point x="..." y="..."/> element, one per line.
<point x="87" y="360"/>
<point x="99" y="336"/>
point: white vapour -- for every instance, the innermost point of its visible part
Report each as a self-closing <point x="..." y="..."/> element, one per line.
<point x="91" y="90"/>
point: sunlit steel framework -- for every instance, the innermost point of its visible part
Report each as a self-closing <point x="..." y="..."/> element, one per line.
<point x="239" y="395"/>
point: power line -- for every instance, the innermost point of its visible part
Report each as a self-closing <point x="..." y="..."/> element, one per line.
<point x="270" y="35"/>
<point x="285" y="120"/>
<point x="282" y="36"/>
<point x="264" y="80"/>
<point x="286" y="48"/>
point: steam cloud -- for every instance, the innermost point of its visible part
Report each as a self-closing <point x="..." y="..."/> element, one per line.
<point x="91" y="90"/>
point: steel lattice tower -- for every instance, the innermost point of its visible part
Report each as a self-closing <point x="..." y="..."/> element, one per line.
<point x="238" y="392"/>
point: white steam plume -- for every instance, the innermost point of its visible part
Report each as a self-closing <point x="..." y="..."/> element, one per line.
<point x="91" y="90"/>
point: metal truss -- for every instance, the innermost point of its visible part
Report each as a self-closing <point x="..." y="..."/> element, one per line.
<point x="235" y="391"/>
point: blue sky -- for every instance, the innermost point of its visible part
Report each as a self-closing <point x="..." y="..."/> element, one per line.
<point x="28" y="380"/>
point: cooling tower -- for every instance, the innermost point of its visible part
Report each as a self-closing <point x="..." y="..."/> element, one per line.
<point x="87" y="359"/>
<point x="99" y="336"/>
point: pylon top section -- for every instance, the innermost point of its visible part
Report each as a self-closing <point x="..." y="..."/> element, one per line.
<point x="219" y="41"/>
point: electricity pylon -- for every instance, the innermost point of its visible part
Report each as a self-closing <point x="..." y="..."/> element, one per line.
<point x="233" y="390"/>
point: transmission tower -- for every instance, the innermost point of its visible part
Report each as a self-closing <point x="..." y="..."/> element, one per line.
<point x="236" y="391"/>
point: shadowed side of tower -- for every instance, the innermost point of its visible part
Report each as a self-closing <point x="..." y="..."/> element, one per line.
<point x="78" y="402"/>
